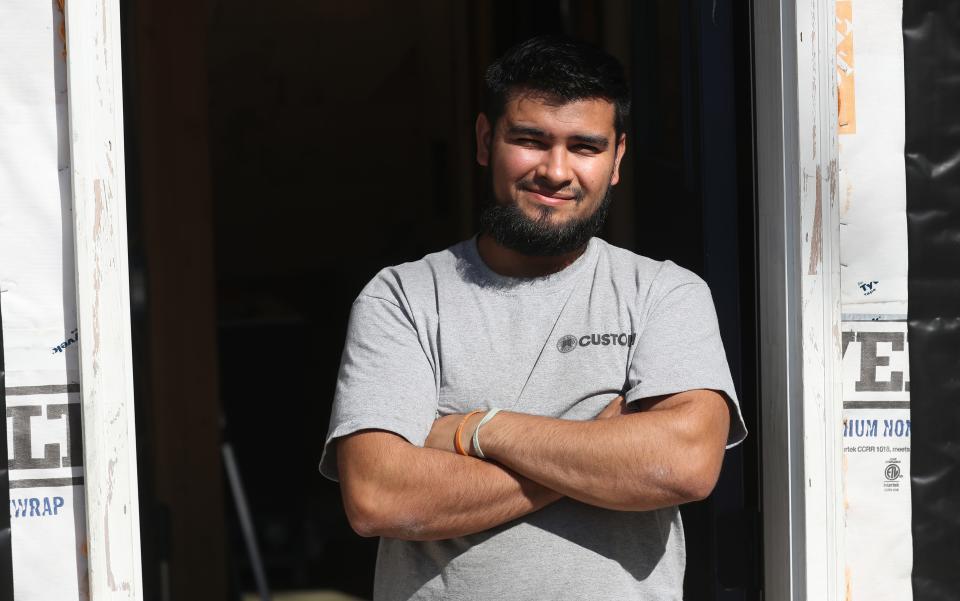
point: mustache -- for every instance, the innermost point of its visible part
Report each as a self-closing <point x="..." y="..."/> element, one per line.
<point x="530" y="186"/>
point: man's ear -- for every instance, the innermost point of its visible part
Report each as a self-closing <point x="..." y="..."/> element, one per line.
<point x="621" y="150"/>
<point x="484" y="139"/>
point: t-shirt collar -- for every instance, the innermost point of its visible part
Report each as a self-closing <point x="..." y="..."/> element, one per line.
<point x="482" y="275"/>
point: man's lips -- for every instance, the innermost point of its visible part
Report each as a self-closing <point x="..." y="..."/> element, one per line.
<point x="550" y="199"/>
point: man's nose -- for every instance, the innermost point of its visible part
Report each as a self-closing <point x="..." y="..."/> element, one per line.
<point x="555" y="167"/>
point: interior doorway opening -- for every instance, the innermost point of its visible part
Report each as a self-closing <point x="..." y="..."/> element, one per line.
<point x="324" y="141"/>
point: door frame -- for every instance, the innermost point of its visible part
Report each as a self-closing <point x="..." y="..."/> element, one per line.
<point x="95" y="101"/>
<point x="795" y="97"/>
<point x="798" y="238"/>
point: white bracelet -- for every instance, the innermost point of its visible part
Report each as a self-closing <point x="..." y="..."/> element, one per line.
<point x="476" y="432"/>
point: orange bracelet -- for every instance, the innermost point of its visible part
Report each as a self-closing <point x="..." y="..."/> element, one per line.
<point x="456" y="437"/>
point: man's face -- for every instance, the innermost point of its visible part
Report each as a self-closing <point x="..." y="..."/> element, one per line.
<point x="551" y="167"/>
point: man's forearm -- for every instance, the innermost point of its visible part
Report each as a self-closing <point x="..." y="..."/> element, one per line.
<point x="395" y="489"/>
<point x="638" y="461"/>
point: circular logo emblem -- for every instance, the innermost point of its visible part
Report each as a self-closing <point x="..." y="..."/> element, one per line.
<point x="567" y="343"/>
<point x="892" y="472"/>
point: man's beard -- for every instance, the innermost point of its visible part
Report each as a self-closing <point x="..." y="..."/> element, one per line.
<point x="506" y="223"/>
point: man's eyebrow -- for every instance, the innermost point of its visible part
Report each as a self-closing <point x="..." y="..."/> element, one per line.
<point x="600" y="142"/>
<point x="520" y="130"/>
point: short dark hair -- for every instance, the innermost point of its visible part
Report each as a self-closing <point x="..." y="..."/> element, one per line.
<point x="560" y="68"/>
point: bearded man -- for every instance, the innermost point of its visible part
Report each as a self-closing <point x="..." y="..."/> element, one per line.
<point x="518" y="416"/>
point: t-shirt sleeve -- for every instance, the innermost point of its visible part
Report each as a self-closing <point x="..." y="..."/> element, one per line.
<point x="386" y="379"/>
<point x="680" y="349"/>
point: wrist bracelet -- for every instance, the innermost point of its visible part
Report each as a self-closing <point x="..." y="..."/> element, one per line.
<point x="476" y="432"/>
<point x="456" y="437"/>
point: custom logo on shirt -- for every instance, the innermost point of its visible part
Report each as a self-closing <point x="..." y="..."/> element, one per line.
<point x="569" y="342"/>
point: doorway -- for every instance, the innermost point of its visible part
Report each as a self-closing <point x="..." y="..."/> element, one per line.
<point x="319" y="142"/>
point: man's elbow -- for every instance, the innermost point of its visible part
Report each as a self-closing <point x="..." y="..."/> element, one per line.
<point x="698" y="488"/>
<point x="702" y="457"/>
<point x="374" y="514"/>
<point x="699" y="479"/>
<point x="365" y="517"/>
<point x="368" y="500"/>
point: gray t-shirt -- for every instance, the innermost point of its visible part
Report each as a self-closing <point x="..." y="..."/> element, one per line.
<point x="445" y="334"/>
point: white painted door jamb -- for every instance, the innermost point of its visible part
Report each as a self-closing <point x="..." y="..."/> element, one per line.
<point x="94" y="91"/>
<point x="799" y="271"/>
<point x="820" y="296"/>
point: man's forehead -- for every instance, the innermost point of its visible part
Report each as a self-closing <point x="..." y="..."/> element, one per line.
<point x="585" y="117"/>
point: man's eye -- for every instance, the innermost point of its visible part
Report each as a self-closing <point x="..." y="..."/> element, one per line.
<point x="530" y="142"/>
<point x="586" y="149"/>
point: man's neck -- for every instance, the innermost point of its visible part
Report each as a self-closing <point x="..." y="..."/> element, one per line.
<point x="510" y="263"/>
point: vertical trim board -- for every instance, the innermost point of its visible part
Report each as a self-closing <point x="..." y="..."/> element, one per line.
<point x="798" y="233"/>
<point x="103" y="307"/>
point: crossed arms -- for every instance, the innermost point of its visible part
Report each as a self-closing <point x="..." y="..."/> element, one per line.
<point x="665" y="452"/>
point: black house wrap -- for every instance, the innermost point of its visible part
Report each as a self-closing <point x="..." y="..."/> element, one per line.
<point x="931" y="35"/>
<point x="6" y="552"/>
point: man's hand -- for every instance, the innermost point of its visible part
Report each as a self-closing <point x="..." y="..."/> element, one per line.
<point x="616" y="407"/>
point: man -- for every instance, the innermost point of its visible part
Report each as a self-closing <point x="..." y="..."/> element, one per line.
<point x="518" y="416"/>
